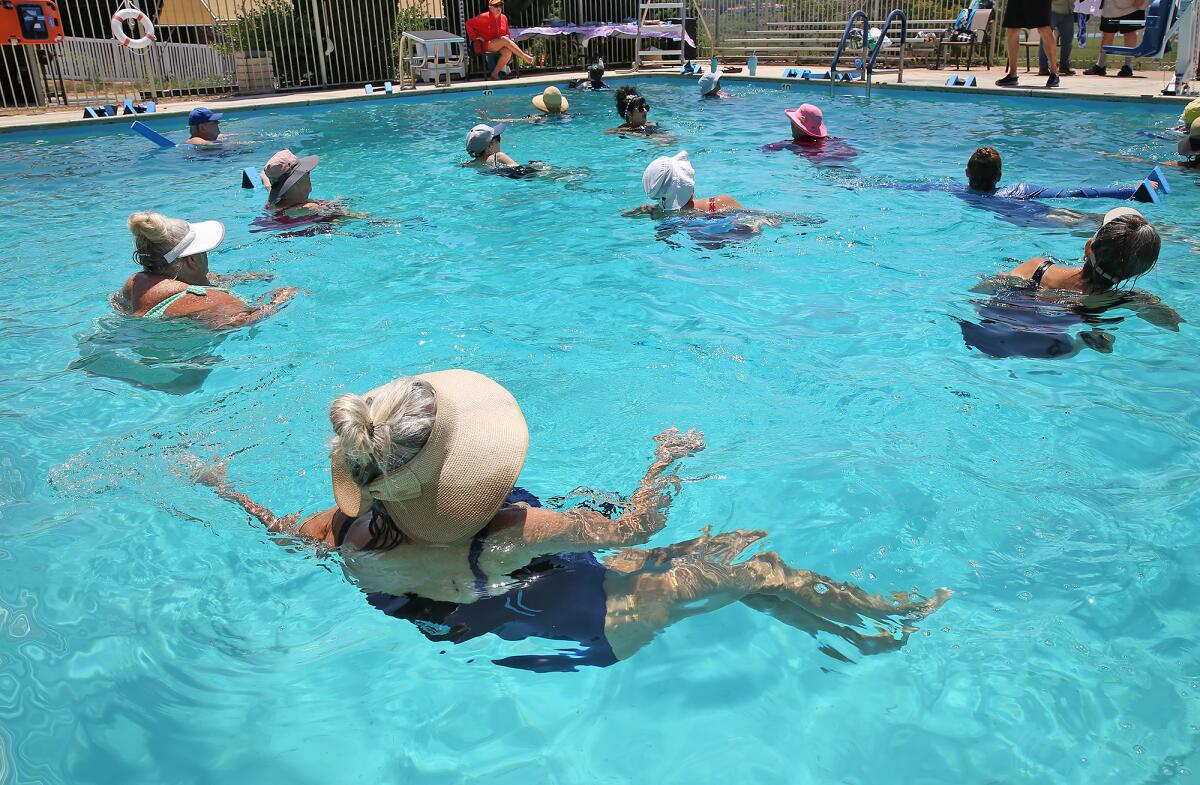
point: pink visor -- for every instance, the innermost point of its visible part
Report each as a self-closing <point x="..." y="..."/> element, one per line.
<point x="808" y="119"/>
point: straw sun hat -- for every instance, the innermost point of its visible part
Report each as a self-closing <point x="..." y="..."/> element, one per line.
<point x="551" y="101"/>
<point x="460" y="478"/>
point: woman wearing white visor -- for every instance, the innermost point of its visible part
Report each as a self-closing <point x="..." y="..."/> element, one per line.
<point x="175" y="282"/>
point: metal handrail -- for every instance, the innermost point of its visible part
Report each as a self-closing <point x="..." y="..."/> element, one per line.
<point x="869" y="64"/>
<point x="883" y="35"/>
<point x="859" y="14"/>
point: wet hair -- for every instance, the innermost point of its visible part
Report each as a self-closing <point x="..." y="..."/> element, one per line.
<point x="1124" y="248"/>
<point x="380" y="433"/>
<point x="984" y="169"/>
<point x="154" y="235"/>
<point x="627" y="99"/>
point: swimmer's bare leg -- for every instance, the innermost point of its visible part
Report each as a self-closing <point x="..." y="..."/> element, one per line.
<point x="648" y="591"/>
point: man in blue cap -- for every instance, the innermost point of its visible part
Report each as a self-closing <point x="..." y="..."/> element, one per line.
<point x="205" y="125"/>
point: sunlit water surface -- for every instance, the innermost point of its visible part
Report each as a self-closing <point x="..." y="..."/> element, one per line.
<point x="151" y="633"/>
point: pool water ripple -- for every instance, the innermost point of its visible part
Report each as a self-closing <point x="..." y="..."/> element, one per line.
<point x="150" y="632"/>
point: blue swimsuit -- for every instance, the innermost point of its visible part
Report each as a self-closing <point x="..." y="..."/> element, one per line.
<point x="558" y="597"/>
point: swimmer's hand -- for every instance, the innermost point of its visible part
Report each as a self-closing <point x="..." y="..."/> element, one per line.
<point x="673" y="446"/>
<point x="216" y="476"/>
<point x="212" y="475"/>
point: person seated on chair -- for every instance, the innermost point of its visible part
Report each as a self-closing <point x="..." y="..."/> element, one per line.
<point x="205" y="128"/>
<point x="1119" y="16"/>
<point x="489" y="32"/>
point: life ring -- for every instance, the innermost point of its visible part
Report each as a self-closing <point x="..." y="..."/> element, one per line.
<point x="144" y="23"/>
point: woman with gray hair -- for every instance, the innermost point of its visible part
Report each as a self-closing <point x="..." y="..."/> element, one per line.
<point x="175" y="282"/>
<point x="1123" y="248"/>
<point x="430" y="525"/>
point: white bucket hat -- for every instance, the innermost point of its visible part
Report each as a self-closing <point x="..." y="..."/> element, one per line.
<point x="709" y="82"/>
<point x="670" y="180"/>
<point x="201" y="237"/>
<point x="457" y="482"/>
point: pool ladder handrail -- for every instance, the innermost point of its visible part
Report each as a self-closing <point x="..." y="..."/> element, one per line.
<point x="869" y="64"/>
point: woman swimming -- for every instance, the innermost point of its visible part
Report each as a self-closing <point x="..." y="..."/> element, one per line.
<point x="1123" y="248"/>
<point x="1031" y="317"/>
<point x="175" y="281"/>
<point x="811" y="138"/>
<point x="483" y="145"/>
<point x="428" y="523"/>
<point x="290" y="197"/>
<point x="670" y="181"/>
<point x="635" y="111"/>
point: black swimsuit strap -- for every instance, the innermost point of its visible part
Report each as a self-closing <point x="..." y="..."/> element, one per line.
<point x="473" y="561"/>
<point x="1040" y="271"/>
<point x="340" y="532"/>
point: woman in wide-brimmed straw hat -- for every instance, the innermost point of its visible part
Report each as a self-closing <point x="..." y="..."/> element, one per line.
<point x="431" y="526"/>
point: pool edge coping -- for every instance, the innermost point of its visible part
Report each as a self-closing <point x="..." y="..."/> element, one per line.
<point x="319" y="98"/>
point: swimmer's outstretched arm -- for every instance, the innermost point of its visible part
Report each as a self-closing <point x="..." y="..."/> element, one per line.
<point x="543" y="530"/>
<point x="229" y="279"/>
<point x="216" y="477"/>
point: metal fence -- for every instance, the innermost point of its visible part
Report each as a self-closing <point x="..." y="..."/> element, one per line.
<point x="224" y="46"/>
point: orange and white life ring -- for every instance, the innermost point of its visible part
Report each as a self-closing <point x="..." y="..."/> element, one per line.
<point x="144" y="24"/>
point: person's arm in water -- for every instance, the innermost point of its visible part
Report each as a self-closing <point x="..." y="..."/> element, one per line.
<point x="517" y="533"/>
<point x="230" y="279"/>
<point x="223" y="311"/>
<point x="1153" y="310"/>
<point x="215" y="476"/>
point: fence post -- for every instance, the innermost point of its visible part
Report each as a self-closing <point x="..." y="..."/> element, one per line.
<point x="320" y="42"/>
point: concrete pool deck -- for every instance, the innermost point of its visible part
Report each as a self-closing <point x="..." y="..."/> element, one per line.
<point x="1144" y="87"/>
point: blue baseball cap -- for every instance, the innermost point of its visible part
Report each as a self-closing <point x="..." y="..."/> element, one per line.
<point x="202" y="115"/>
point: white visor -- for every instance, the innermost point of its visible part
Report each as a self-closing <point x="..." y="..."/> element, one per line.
<point x="201" y="237"/>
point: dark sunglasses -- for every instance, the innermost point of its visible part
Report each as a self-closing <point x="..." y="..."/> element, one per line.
<point x="645" y="107"/>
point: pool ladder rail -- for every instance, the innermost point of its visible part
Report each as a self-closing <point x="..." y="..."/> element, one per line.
<point x="869" y="63"/>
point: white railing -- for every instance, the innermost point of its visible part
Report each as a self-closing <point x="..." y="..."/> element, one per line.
<point x="103" y="60"/>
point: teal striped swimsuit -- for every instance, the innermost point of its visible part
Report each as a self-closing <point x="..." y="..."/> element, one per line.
<point x="159" y="311"/>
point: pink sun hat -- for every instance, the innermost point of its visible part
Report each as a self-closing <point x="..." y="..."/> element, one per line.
<point x="808" y="119"/>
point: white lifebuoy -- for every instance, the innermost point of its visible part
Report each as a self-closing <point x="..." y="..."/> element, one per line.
<point x="144" y="24"/>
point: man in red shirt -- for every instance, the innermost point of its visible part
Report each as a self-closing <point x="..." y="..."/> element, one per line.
<point x="489" y="33"/>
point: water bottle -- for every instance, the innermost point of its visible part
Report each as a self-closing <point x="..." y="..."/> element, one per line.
<point x="712" y="64"/>
<point x="600" y="62"/>
<point x="752" y="63"/>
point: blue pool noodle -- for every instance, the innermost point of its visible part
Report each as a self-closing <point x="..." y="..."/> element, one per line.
<point x="151" y="134"/>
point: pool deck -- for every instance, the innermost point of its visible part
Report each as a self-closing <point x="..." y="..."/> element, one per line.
<point x="1144" y="87"/>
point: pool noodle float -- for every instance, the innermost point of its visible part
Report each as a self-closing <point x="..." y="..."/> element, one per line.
<point x="151" y="134"/>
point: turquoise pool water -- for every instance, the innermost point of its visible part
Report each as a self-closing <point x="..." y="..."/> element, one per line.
<point x="148" y="633"/>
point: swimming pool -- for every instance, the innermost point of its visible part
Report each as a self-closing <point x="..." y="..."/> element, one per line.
<point x="149" y="634"/>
